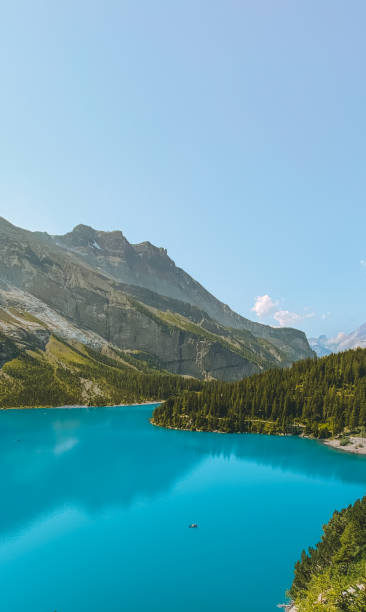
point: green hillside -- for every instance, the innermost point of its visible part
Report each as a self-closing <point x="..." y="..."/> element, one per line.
<point x="68" y="374"/>
<point x="332" y="576"/>
<point x="320" y="397"/>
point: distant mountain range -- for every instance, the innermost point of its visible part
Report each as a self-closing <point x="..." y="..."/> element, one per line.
<point x="342" y="342"/>
<point x="131" y="302"/>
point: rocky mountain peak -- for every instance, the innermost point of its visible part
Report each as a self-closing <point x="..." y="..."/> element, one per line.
<point x="113" y="241"/>
<point x="80" y="236"/>
<point x="82" y="229"/>
<point x="89" y="276"/>
<point x="84" y="238"/>
<point x="148" y="247"/>
<point x="153" y="255"/>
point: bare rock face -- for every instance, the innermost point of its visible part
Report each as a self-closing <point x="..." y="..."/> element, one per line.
<point x="147" y="266"/>
<point x="132" y="297"/>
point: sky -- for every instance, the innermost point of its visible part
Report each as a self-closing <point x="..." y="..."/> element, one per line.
<point x="232" y="133"/>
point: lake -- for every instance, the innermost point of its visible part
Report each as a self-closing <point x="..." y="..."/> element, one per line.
<point x="96" y="503"/>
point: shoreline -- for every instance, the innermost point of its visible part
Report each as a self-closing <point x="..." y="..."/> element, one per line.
<point x="76" y="406"/>
<point x="356" y="447"/>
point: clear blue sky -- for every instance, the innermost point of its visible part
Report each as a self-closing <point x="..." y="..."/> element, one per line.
<point x="233" y="133"/>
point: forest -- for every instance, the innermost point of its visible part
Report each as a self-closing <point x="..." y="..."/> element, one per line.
<point x="66" y="374"/>
<point x="332" y="574"/>
<point x="318" y="397"/>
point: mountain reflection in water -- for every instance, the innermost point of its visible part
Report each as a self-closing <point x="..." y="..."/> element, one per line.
<point x="122" y="493"/>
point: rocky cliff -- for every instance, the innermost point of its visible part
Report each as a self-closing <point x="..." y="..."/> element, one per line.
<point x="99" y="289"/>
<point x="147" y="266"/>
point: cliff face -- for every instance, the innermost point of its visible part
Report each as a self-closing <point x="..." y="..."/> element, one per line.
<point x="73" y="285"/>
<point x="147" y="266"/>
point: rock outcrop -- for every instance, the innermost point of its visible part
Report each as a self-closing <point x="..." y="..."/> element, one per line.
<point x="132" y="297"/>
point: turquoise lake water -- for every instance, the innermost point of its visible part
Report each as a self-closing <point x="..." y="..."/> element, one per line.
<point x="95" y="507"/>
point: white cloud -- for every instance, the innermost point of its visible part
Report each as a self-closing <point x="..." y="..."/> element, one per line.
<point x="65" y="445"/>
<point x="326" y="315"/>
<point x="264" y="306"/>
<point x="337" y="339"/>
<point x="363" y="263"/>
<point x="285" y="318"/>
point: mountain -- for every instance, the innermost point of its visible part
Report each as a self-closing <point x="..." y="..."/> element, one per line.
<point x="96" y="289"/>
<point x="319" y="345"/>
<point x="56" y="373"/>
<point x="342" y="342"/>
<point x="150" y="267"/>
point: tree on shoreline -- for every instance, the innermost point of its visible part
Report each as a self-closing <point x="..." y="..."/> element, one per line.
<point x="320" y="397"/>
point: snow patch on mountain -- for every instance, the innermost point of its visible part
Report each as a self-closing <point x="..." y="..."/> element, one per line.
<point x="341" y="342"/>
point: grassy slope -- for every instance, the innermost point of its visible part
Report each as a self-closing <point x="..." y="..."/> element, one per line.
<point x="75" y="374"/>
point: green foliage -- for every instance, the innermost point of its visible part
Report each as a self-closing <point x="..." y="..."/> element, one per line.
<point x="331" y="576"/>
<point x="68" y="375"/>
<point x="344" y="441"/>
<point x="321" y="397"/>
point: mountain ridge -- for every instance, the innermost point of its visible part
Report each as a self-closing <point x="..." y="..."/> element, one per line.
<point x="180" y="285"/>
<point x="83" y="276"/>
